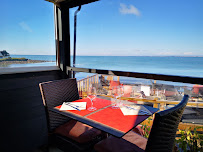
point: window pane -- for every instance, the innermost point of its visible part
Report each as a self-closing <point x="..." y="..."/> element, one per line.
<point x="159" y="94"/>
<point x="134" y="36"/>
<point x="27" y="34"/>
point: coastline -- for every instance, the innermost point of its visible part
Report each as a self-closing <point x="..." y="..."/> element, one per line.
<point x="7" y="63"/>
<point x="181" y="66"/>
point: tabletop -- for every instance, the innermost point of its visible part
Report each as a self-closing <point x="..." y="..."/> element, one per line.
<point x="105" y="118"/>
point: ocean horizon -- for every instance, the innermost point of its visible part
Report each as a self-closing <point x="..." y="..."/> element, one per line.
<point x="168" y="65"/>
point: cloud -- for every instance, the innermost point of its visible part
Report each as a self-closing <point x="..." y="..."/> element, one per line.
<point x="167" y="53"/>
<point x="129" y="10"/>
<point x="25" y="27"/>
<point x="187" y="53"/>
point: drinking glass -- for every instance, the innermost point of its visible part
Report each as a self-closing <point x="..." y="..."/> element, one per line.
<point x="91" y="94"/>
<point x="117" y="92"/>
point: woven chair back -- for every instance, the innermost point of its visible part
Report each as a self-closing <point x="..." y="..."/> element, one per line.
<point x="54" y="93"/>
<point x="163" y="132"/>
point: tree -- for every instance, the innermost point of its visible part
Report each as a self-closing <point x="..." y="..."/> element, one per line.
<point x="4" y="53"/>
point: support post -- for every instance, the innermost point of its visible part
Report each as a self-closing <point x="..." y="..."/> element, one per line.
<point x="62" y="30"/>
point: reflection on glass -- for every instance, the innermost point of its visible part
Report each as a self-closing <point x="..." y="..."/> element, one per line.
<point x="117" y="92"/>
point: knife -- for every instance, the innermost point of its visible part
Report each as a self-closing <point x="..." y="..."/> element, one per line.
<point x="73" y="106"/>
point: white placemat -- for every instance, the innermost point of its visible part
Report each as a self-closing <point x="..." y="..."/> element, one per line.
<point x="134" y="110"/>
<point x="73" y="106"/>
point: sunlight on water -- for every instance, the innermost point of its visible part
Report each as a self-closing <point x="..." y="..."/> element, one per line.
<point x="182" y="66"/>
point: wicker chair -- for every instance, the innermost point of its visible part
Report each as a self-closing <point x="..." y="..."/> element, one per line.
<point x="67" y="134"/>
<point x="161" y="137"/>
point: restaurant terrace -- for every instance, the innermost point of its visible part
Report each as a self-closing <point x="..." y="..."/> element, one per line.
<point x="100" y="113"/>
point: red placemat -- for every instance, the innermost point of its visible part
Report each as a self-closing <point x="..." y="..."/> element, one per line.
<point x="98" y="103"/>
<point x="114" y="118"/>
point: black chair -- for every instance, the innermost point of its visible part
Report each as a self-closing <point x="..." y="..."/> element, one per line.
<point x="161" y="139"/>
<point x="67" y="134"/>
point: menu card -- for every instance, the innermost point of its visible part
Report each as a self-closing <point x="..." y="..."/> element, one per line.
<point x="73" y="106"/>
<point x="135" y="110"/>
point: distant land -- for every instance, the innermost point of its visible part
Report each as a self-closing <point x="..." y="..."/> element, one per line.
<point x="6" y="60"/>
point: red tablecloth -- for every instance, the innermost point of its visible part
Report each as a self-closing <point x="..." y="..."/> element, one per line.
<point x="114" y="118"/>
<point x="107" y="118"/>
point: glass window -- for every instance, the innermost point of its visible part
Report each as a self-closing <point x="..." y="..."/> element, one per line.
<point x="27" y="34"/>
<point x="160" y="94"/>
<point x="162" y="37"/>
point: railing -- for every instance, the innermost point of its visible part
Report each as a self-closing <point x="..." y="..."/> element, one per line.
<point x="83" y="84"/>
<point x="161" y="104"/>
<point x="151" y="76"/>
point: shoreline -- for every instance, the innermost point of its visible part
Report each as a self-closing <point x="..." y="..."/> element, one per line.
<point x="7" y="63"/>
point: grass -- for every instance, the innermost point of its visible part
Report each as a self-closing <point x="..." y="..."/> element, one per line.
<point x="5" y="62"/>
<point x="13" y="59"/>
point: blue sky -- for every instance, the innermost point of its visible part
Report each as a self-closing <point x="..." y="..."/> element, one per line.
<point x="27" y="27"/>
<point x="107" y="27"/>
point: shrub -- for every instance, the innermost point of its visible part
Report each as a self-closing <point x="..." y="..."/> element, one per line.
<point x="146" y="128"/>
<point x="190" y="141"/>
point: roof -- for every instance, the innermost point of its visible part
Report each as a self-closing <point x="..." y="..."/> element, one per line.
<point x="71" y="3"/>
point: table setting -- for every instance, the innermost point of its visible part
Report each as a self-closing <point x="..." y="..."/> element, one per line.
<point x="112" y="115"/>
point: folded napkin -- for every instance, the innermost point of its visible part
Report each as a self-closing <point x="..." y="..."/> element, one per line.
<point x="73" y="106"/>
<point x="135" y="110"/>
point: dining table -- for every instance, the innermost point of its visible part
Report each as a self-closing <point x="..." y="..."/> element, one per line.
<point x="110" y="120"/>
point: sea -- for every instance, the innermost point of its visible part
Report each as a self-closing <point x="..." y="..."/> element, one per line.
<point x="169" y="65"/>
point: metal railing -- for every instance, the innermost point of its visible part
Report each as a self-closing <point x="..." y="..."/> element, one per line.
<point x="151" y="76"/>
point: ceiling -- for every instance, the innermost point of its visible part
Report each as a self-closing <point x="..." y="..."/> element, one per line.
<point x="71" y="3"/>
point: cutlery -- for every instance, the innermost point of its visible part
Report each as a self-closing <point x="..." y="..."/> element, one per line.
<point x="142" y="111"/>
<point x="73" y="106"/>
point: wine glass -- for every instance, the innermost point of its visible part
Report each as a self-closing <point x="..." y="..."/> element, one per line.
<point x="91" y="94"/>
<point x="121" y="94"/>
<point x="117" y="92"/>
